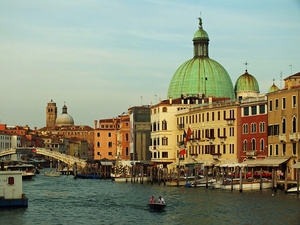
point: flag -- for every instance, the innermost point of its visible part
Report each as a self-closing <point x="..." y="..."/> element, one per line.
<point x="188" y="134"/>
<point x="182" y="152"/>
<point x="184" y="134"/>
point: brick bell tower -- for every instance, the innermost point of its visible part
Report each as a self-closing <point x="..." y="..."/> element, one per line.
<point x="51" y="114"/>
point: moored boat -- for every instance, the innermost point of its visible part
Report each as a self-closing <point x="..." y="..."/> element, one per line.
<point x="27" y="170"/>
<point x="292" y="190"/>
<point x="88" y="176"/>
<point x="246" y="184"/>
<point x="11" y="191"/>
<point x="52" y="174"/>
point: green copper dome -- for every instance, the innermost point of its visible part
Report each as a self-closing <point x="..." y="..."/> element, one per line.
<point x="273" y="88"/>
<point x="246" y="82"/>
<point x="201" y="74"/>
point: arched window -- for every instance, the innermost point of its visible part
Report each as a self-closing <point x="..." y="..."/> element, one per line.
<point x="98" y="144"/>
<point x="262" y="145"/>
<point x="253" y="144"/>
<point x="283" y="125"/>
<point x="245" y="145"/>
<point x="294" y="124"/>
<point x="98" y="134"/>
<point x="126" y="137"/>
<point x="126" y="151"/>
<point x="164" y="125"/>
<point x="164" y="109"/>
<point x="154" y="126"/>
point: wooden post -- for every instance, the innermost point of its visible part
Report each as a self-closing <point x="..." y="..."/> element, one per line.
<point x="272" y="178"/>
<point x="252" y="172"/>
<point x="241" y="179"/>
<point x="206" y="176"/>
<point x="232" y="179"/>
<point x="245" y="172"/>
<point x="275" y="181"/>
<point x="223" y="176"/>
<point x="75" y="170"/>
<point x="142" y="174"/>
<point x="260" y="178"/>
<point x="151" y="174"/>
<point x="298" y="178"/>
<point x="235" y="172"/>
<point x="285" y="179"/>
<point x="178" y="176"/>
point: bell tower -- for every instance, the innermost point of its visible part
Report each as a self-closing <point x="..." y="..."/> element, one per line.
<point x="51" y="114"/>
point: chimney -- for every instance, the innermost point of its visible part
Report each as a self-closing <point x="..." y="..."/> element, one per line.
<point x="96" y="124"/>
<point x="170" y="100"/>
<point x="210" y="99"/>
<point x="35" y="130"/>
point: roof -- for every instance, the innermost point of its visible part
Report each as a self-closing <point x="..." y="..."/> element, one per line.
<point x="246" y="82"/>
<point x="296" y="75"/>
<point x="272" y="162"/>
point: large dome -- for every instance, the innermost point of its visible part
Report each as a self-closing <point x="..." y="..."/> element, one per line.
<point x="201" y="74"/>
<point x="64" y="119"/>
<point x="246" y="82"/>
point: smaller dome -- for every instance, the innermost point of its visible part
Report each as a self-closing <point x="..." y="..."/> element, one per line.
<point x="273" y="88"/>
<point x="246" y="82"/>
<point x="64" y="119"/>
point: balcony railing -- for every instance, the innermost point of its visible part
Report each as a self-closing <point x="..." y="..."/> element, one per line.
<point x="293" y="137"/>
<point x="230" y="121"/>
<point x="222" y="139"/>
<point x="282" y="137"/>
<point x="180" y="126"/>
<point x="216" y="155"/>
<point x="251" y="152"/>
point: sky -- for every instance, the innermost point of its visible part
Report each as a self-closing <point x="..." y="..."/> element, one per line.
<point x="102" y="57"/>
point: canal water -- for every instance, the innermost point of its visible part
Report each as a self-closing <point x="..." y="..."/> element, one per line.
<point x="64" y="200"/>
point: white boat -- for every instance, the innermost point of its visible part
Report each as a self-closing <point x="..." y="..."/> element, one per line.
<point x="27" y="170"/>
<point x="200" y="183"/>
<point x="246" y="184"/>
<point x="292" y="190"/>
<point x="52" y="174"/>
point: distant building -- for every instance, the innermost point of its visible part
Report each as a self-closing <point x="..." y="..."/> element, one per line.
<point x="140" y="133"/>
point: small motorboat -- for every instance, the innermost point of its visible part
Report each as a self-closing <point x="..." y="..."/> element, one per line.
<point x="157" y="206"/>
<point x="292" y="190"/>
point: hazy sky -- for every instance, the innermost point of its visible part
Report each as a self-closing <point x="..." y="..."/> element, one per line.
<point x="100" y="56"/>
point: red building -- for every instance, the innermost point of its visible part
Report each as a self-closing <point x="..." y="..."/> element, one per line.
<point x="253" y="129"/>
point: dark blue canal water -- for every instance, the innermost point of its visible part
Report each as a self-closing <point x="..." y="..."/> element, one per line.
<point x="64" y="200"/>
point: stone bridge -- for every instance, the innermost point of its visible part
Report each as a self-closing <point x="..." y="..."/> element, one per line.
<point x="70" y="160"/>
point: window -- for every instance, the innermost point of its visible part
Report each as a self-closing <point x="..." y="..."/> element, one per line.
<point x="207" y="116"/>
<point x="253" y="127"/>
<point x="262" y="126"/>
<point x="224" y="149"/>
<point x="283" y="126"/>
<point x="126" y="151"/>
<point x="110" y="144"/>
<point x="109" y="153"/>
<point x="294" y="125"/>
<point x="98" y="153"/>
<point x="246" y="111"/>
<point x="253" y="144"/>
<point x="270" y="105"/>
<point x="245" y="128"/>
<point x="262" y="109"/>
<point x="154" y="126"/>
<point x="164" y="141"/>
<point x="164" y="154"/>
<point x="127" y="137"/>
<point x="271" y="150"/>
<point x="98" y="134"/>
<point x="283" y="149"/>
<point x="294" y="148"/>
<point x="109" y="134"/>
<point x="276" y="104"/>
<point x="283" y="103"/>
<point x="164" y="125"/>
<point x="245" y="145"/>
<point x="276" y="149"/>
<point x="219" y="115"/>
<point x="276" y="129"/>
<point x="98" y="144"/>
<point x="164" y="109"/>
<point x="294" y="101"/>
<point x="254" y="110"/>
<point x="262" y="145"/>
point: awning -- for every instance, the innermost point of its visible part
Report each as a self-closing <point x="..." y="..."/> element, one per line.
<point x="296" y="165"/>
<point x="207" y="162"/>
<point x="271" y="162"/>
<point x="226" y="162"/>
<point x="106" y="163"/>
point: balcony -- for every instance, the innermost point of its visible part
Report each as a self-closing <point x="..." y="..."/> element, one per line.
<point x="282" y="137"/>
<point x="230" y="121"/>
<point x="251" y="152"/>
<point x="216" y="155"/>
<point x="180" y="126"/>
<point x="293" y="137"/>
<point x="222" y="139"/>
<point x="211" y="140"/>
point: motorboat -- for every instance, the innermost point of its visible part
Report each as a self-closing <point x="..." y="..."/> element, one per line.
<point x="200" y="183"/>
<point x="292" y="190"/>
<point x="246" y="184"/>
<point x="27" y="170"/>
<point x="157" y="206"/>
<point x="52" y="174"/>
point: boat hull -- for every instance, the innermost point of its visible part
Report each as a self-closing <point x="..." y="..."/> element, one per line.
<point x="292" y="190"/>
<point x="247" y="186"/>
<point x="157" y="206"/>
<point x="23" y="202"/>
<point x="87" y="176"/>
<point x="52" y="174"/>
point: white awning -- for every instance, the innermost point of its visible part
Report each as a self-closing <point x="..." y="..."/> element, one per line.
<point x="106" y="163"/>
<point x="296" y="165"/>
<point x="271" y="162"/>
